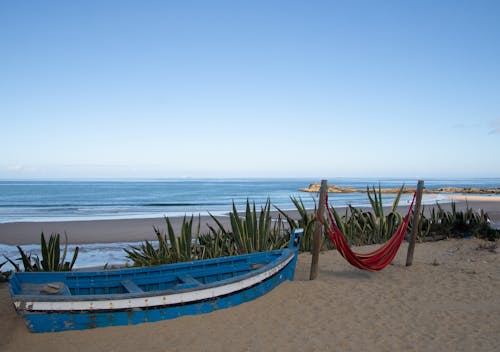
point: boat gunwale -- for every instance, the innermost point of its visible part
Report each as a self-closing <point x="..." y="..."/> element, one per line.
<point x="131" y="270"/>
<point x="285" y="253"/>
<point x="157" y="301"/>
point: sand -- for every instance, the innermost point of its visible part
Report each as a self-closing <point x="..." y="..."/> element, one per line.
<point x="475" y="198"/>
<point x="447" y="301"/>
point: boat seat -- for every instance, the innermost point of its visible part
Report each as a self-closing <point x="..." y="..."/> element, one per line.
<point x="187" y="281"/>
<point x="131" y="286"/>
<point x="54" y="288"/>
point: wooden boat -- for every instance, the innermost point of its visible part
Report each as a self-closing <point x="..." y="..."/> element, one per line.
<point x="57" y="301"/>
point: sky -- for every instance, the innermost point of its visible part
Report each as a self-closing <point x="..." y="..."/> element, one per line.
<point x="159" y="89"/>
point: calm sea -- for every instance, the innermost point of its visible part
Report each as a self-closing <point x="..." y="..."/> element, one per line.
<point x="91" y="200"/>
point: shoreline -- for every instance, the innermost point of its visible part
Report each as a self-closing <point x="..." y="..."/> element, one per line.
<point x="140" y="229"/>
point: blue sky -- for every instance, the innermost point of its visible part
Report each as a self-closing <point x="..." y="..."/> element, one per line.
<point x="118" y="89"/>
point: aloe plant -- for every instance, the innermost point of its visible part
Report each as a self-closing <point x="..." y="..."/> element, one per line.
<point x="51" y="256"/>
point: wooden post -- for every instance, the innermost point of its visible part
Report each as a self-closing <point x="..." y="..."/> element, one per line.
<point x="416" y="219"/>
<point x="318" y="230"/>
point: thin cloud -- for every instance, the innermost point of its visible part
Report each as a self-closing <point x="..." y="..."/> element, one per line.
<point x="461" y="125"/>
<point x="495" y="126"/>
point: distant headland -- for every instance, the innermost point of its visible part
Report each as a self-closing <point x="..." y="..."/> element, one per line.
<point x="314" y="187"/>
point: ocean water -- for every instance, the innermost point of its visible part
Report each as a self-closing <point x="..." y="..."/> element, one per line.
<point x="22" y="201"/>
<point x="89" y="255"/>
<point x="91" y="200"/>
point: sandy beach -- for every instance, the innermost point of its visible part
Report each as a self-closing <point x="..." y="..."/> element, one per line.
<point x="475" y="198"/>
<point x="447" y="301"/>
<point x="115" y="114"/>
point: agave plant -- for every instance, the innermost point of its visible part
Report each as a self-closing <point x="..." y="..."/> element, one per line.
<point x="423" y="226"/>
<point x="384" y="226"/>
<point x="255" y="232"/>
<point x="362" y="227"/>
<point x="216" y="244"/>
<point x="183" y="247"/>
<point x="456" y="223"/>
<point x="306" y="221"/>
<point x="170" y="249"/>
<point x="51" y="256"/>
<point x="3" y="275"/>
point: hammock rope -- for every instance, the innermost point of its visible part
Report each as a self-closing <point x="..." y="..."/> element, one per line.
<point x="373" y="261"/>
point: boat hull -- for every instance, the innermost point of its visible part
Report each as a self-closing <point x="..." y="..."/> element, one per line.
<point x="73" y="311"/>
<point x="61" y="321"/>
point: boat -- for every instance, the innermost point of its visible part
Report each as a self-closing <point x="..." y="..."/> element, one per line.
<point x="76" y="300"/>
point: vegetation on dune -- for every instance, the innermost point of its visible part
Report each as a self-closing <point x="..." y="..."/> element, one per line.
<point x="306" y="221"/>
<point x="52" y="260"/>
<point x="170" y="249"/>
<point x="3" y="275"/>
<point x="255" y="232"/>
<point x="456" y="223"/>
<point x="364" y="227"/>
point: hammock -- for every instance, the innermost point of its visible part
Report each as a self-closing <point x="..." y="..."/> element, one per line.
<point x="376" y="260"/>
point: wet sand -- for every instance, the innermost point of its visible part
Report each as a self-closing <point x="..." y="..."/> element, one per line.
<point x="134" y="230"/>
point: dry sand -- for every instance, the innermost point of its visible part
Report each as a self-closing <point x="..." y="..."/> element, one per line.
<point x="447" y="301"/>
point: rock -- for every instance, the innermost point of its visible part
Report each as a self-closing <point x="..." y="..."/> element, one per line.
<point x="469" y="190"/>
<point x="314" y="188"/>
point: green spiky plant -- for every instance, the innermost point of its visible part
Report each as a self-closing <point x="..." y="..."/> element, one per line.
<point x="255" y="232"/>
<point x="52" y="260"/>
<point x="364" y="227"/>
<point x="170" y="249"/>
<point x="216" y="244"/>
<point x="306" y="221"/>
<point x="3" y="275"/>
<point x="383" y="226"/>
<point x="424" y="226"/>
<point x="457" y="223"/>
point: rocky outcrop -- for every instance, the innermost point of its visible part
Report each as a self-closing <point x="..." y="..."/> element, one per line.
<point x="314" y="188"/>
<point x="469" y="190"/>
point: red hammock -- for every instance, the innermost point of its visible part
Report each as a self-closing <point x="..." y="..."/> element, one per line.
<point x="376" y="260"/>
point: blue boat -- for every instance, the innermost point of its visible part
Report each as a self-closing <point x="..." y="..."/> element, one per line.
<point x="58" y="301"/>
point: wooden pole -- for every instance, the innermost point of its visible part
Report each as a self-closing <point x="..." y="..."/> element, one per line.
<point x="318" y="230"/>
<point x="416" y="219"/>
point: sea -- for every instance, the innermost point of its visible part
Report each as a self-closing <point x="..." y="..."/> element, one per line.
<point x="67" y="200"/>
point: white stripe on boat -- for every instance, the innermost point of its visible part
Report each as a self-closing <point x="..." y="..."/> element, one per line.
<point x="152" y="301"/>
